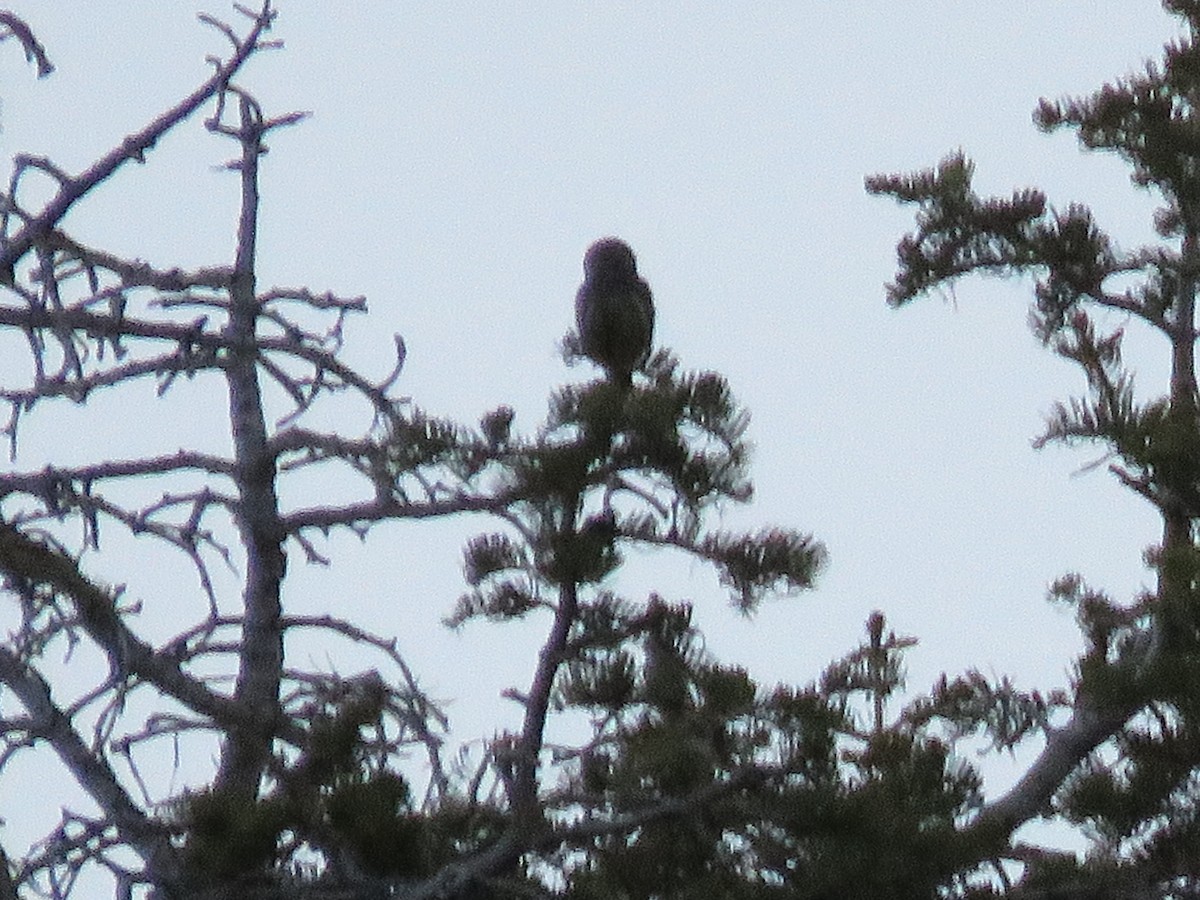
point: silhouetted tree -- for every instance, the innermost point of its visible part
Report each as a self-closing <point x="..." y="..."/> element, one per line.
<point x="1126" y="762"/>
<point x="309" y="795"/>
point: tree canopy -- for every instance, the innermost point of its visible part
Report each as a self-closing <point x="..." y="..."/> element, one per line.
<point x="677" y="775"/>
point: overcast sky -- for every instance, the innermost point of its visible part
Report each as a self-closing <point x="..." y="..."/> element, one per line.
<point x="460" y="158"/>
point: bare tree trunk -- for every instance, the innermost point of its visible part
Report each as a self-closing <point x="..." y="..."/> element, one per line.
<point x="261" y="653"/>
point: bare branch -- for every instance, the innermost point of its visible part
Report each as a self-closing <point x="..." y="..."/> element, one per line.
<point x="135" y="273"/>
<point x="133" y="147"/>
<point x="34" y="51"/>
<point x="93" y="773"/>
<point x="353" y="515"/>
<point x="46" y="480"/>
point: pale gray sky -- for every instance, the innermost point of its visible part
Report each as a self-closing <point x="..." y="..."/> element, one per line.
<point x="460" y="158"/>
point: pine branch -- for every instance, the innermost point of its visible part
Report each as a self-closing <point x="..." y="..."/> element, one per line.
<point x="1092" y="723"/>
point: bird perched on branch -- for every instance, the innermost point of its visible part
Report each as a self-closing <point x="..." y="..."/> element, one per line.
<point x="614" y="310"/>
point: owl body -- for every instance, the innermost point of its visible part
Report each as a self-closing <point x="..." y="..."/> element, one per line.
<point x="614" y="310"/>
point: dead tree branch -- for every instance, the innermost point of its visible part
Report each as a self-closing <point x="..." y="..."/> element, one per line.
<point x="34" y="51"/>
<point x="134" y="147"/>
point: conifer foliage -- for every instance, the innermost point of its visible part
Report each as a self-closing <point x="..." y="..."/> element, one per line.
<point x="1125" y="764"/>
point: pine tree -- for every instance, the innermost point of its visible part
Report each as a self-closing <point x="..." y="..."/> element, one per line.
<point x="1125" y="764"/>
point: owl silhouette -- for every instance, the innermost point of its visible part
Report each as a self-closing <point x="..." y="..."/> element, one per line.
<point x="614" y="310"/>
